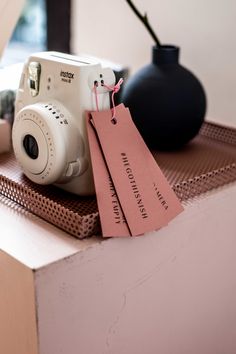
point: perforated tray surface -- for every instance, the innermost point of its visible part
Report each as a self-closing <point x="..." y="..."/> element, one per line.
<point x="208" y="162"/>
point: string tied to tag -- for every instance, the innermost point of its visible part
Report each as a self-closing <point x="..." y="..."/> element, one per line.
<point x="114" y="89"/>
<point x="96" y="94"/>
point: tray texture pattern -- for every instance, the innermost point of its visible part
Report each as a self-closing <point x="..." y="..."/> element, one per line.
<point x="206" y="163"/>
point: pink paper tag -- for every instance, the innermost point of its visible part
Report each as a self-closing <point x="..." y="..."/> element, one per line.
<point x="112" y="219"/>
<point x="146" y="198"/>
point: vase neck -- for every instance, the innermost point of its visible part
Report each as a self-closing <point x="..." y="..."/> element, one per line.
<point x="166" y="54"/>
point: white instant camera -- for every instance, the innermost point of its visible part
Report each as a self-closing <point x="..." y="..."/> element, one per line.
<point x="49" y="132"/>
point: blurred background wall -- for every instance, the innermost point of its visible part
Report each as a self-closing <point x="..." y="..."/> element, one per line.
<point x="205" y="30"/>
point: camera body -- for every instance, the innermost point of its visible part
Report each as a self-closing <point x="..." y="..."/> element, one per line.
<point x="49" y="131"/>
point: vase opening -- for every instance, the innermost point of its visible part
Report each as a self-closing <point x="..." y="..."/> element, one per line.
<point x="166" y="54"/>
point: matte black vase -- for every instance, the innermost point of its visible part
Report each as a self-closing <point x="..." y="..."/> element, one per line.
<point x="167" y="102"/>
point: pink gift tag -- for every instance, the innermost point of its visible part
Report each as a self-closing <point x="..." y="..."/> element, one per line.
<point x="164" y="193"/>
<point x="112" y="219"/>
<point x="145" y="196"/>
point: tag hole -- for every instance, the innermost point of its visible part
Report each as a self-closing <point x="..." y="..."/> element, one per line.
<point x="114" y="121"/>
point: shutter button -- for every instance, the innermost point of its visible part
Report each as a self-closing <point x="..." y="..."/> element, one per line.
<point x="76" y="168"/>
<point x="73" y="169"/>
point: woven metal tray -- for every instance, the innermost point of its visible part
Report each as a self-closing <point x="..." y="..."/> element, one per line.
<point x="208" y="162"/>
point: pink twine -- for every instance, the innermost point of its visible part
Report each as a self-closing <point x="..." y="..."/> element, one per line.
<point x="114" y="90"/>
<point x="96" y="95"/>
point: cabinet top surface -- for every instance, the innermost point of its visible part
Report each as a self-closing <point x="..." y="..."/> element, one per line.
<point x="37" y="243"/>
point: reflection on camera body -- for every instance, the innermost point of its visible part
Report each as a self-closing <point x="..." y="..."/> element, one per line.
<point x="49" y="132"/>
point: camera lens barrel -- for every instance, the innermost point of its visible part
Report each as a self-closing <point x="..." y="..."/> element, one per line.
<point x="45" y="141"/>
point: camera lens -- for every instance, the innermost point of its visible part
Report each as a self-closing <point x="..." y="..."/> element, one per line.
<point x="31" y="146"/>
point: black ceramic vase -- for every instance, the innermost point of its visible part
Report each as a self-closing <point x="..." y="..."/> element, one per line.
<point x="167" y="102"/>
